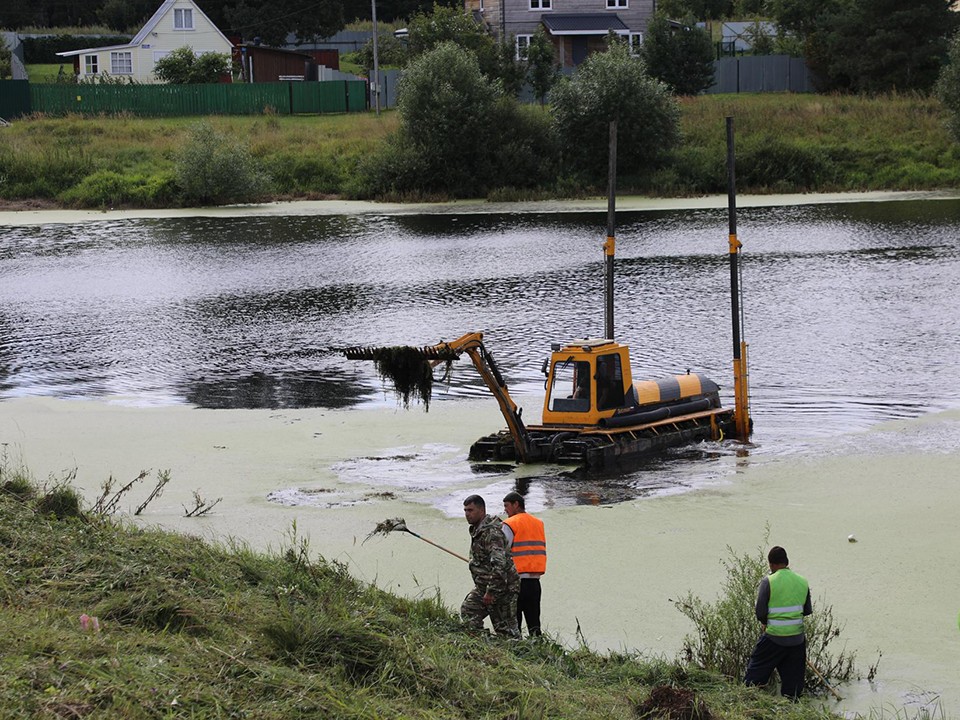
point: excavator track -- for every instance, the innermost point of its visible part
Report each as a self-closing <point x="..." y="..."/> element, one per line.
<point x="605" y="449"/>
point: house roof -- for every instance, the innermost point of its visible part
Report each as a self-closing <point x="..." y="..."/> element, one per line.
<point x="145" y="31"/>
<point x="584" y="24"/>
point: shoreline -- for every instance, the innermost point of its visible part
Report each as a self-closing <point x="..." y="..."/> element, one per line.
<point x="46" y="215"/>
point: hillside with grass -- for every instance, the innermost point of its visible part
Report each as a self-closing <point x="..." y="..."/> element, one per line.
<point x="786" y="143"/>
<point x="103" y="620"/>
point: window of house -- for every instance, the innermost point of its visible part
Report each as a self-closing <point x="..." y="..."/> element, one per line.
<point x="618" y="4"/>
<point x="540" y="4"/>
<point x="523" y="46"/>
<point x="636" y="40"/>
<point x="183" y="18"/>
<point x="90" y="65"/>
<point x="121" y="63"/>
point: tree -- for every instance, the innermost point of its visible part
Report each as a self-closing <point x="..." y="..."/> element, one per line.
<point x="126" y="14"/>
<point x="390" y="51"/>
<point x="871" y="45"/>
<point x="5" y="60"/>
<point x="613" y="85"/>
<point x="183" y="67"/>
<point x="427" y="31"/>
<point x="272" y="22"/>
<point x="445" y="105"/>
<point x="542" y="69"/>
<point x="948" y="87"/>
<point x="699" y="9"/>
<point x="681" y="57"/>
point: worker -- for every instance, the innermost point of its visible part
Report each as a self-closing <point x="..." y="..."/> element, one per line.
<point x="528" y="548"/>
<point x="495" y="579"/>
<point x="783" y="600"/>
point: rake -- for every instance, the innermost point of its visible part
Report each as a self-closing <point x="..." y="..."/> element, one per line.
<point x="400" y="525"/>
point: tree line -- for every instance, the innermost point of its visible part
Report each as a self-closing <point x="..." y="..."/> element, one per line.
<point x="246" y="19"/>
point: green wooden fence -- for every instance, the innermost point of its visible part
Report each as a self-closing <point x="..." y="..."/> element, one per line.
<point x="284" y="98"/>
<point x="14" y="98"/>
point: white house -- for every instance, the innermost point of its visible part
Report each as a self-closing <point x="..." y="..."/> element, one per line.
<point x="175" y="23"/>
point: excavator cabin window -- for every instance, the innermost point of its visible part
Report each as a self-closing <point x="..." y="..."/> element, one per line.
<point x="571" y="387"/>
<point x="609" y="382"/>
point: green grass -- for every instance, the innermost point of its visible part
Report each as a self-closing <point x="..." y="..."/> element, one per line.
<point x="185" y="628"/>
<point x="785" y="143"/>
<point x="48" y="73"/>
<point x="830" y="142"/>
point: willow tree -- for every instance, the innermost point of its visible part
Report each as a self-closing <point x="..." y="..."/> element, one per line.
<point x="607" y="86"/>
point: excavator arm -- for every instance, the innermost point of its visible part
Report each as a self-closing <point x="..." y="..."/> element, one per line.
<point x="472" y="345"/>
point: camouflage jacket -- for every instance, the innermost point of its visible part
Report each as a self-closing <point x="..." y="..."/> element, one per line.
<point x="490" y="563"/>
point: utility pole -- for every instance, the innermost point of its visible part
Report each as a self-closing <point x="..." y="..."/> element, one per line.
<point x="376" y="60"/>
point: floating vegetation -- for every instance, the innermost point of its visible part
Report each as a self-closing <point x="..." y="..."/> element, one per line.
<point x="388" y="526"/>
<point x="409" y="369"/>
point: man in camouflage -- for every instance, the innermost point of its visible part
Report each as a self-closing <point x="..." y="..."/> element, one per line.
<point x="495" y="579"/>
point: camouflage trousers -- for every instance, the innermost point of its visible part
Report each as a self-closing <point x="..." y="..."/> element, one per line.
<point x="502" y="612"/>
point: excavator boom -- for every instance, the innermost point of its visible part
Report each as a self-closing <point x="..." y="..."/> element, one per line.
<point x="472" y="345"/>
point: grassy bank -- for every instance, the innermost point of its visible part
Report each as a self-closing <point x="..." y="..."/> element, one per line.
<point x="785" y="143"/>
<point x="104" y="620"/>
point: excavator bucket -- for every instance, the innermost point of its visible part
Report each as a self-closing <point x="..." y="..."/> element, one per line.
<point x="408" y="369"/>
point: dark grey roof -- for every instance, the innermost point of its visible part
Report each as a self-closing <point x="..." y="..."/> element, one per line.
<point x="583" y="24"/>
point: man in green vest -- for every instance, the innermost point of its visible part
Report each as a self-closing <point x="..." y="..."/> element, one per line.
<point x="783" y="599"/>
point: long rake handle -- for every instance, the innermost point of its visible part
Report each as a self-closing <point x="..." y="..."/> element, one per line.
<point x="823" y="680"/>
<point x="421" y="537"/>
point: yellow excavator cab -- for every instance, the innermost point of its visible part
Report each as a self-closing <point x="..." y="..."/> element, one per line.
<point x="587" y="380"/>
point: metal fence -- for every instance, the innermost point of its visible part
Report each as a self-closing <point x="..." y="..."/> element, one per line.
<point x="761" y="73"/>
<point x="14" y="99"/>
<point x="284" y="98"/>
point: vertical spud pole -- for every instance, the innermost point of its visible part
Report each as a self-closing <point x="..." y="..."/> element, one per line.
<point x="740" y="391"/>
<point x="610" y="246"/>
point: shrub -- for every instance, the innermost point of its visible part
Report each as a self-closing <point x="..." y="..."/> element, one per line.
<point x="42" y="175"/>
<point x="772" y="163"/>
<point x="106" y="188"/>
<point x="680" y="57"/>
<point x="948" y="87"/>
<point x="612" y="85"/>
<point x="213" y="169"/>
<point x="445" y="105"/>
<point x="525" y="154"/>
<point x="183" y="67"/>
<point x="299" y="173"/>
<point x="727" y="630"/>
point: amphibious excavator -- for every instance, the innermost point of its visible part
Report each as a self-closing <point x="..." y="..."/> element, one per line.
<point x="595" y="414"/>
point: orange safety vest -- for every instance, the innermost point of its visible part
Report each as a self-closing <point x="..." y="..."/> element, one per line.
<point x="529" y="549"/>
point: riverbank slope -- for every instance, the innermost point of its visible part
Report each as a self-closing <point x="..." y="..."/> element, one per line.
<point x="785" y="144"/>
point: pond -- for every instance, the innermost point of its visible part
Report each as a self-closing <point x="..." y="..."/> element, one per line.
<point x="851" y="311"/>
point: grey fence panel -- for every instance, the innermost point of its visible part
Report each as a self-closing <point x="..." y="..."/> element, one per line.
<point x="761" y="73"/>
<point x="800" y="78"/>
<point x="389" y="79"/>
<point x="726" y="76"/>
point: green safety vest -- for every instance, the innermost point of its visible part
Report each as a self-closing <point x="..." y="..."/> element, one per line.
<point x="788" y="593"/>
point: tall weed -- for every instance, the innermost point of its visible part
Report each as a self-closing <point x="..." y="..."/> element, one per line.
<point x="727" y="629"/>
